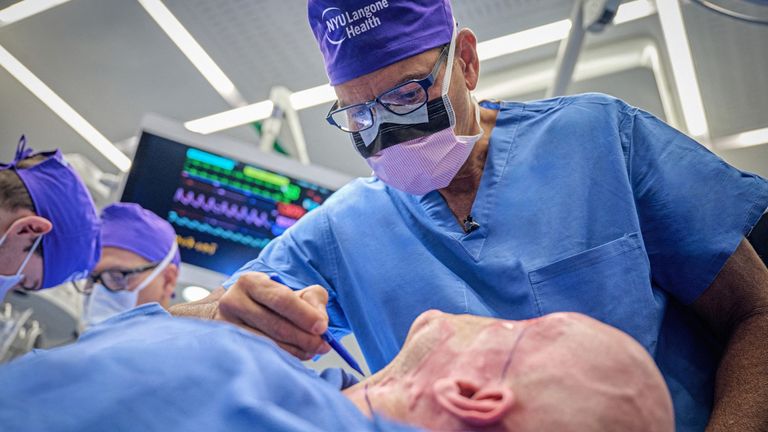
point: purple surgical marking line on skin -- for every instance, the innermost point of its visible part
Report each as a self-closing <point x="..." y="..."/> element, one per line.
<point x="374" y="417"/>
<point x="508" y="363"/>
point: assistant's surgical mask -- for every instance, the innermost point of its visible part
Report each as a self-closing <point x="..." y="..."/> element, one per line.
<point x="8" y="282"/>
<point x="420" y="158"/>
<point x="103" y="303"/>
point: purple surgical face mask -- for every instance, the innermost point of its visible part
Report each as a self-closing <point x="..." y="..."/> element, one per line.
<point x="429" y="161"/>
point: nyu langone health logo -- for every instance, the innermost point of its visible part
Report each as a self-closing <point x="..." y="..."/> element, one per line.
<point x="342" y="25"/>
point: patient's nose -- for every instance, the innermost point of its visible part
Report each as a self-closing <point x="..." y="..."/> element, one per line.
<point x="425" y="318"/>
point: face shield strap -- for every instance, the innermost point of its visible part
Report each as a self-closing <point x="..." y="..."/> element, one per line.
<point x="449" y="62"/>
<point x="447" y="76"/>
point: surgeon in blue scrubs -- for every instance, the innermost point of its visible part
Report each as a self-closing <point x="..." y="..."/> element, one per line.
<point x="514" y="210"/>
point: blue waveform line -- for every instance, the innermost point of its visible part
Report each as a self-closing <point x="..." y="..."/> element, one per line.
<point x="206" y="228"/>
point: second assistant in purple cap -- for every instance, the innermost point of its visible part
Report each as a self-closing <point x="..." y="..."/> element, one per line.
<point x="133" y="228"/>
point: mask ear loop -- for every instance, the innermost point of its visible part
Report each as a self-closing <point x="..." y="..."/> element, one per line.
<point x="160" y="267"/>
<point x="29" y="255"/>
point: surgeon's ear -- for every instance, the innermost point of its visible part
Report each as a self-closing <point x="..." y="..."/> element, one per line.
<point x="170" y="276"/>
<point x="29" y="227"/>
<point x="466" y="54"/>
<point x="476" y="405"/>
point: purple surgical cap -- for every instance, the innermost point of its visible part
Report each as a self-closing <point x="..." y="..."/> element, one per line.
<point x="133" y="228"/>
<point x="357" y="37"/>
<point x="71" y="249"/>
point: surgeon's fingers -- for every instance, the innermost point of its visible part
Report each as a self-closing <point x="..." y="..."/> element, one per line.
<point x="286" y="303"/>
<point x="316" y="296"/>
<point x="257" y="302"/>
<point x="281" y="330"/>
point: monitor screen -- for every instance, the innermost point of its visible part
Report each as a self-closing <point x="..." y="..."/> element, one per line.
<point x="224" y="210"/>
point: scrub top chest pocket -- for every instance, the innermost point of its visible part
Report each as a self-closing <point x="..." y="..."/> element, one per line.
<point x="610" y="282"/>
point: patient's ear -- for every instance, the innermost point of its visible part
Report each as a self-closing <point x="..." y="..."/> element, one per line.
<point x="474" y="404"/>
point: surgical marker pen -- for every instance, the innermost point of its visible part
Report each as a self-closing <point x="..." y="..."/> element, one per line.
<point x="328" y="337"/>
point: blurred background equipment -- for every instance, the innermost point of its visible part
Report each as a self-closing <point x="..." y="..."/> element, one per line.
<point x="587" y="16"/>
<point x="18" y="334"/>
<point x="751" y="11"/>
<point x="102" y="185"/>
<point x="44" y="319"/>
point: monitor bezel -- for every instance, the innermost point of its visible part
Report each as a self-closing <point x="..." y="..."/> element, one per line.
<point x="250" y="153"/>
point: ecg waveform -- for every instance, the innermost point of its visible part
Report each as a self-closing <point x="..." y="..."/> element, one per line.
<point x="203" y="227"/>
<point x="239" y="180"/>
<point x="222" y="208"/>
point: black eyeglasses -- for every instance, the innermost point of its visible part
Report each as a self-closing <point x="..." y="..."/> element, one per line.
<point x="402" y="99"/>
<point x="112" y="279"/>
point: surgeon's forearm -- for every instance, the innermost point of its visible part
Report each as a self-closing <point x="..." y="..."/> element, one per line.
<point x="741" y="389"/>
<point x="205" y="308"/>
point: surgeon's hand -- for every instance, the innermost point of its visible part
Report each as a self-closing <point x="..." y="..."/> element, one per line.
<point x="293" y="319"/>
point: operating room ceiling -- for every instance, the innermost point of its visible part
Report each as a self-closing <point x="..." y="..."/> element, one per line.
<point x="112" y="63"/>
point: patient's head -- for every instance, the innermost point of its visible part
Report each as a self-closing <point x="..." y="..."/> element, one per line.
<point x="563" y="372"/>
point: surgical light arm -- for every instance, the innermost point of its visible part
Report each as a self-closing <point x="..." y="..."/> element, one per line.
<point x="587" y="15"/>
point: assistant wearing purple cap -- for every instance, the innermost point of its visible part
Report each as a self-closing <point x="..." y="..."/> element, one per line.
<point x="514" y="210"/>
<point x="139" y="263"/>
<point x="50" y="231"/>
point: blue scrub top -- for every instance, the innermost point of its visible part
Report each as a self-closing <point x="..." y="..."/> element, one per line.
<point x="146" y="371"/>
<point x="586" y="204"/>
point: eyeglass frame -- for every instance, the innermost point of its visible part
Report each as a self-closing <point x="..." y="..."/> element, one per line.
<point x="93" y="278"/>
<point x="425" y="83"/>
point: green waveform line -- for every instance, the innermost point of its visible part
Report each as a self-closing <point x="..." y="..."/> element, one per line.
<point x="268" y="177"/>
<point x="203" y="227"/>
<point x="289" y="192"/>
